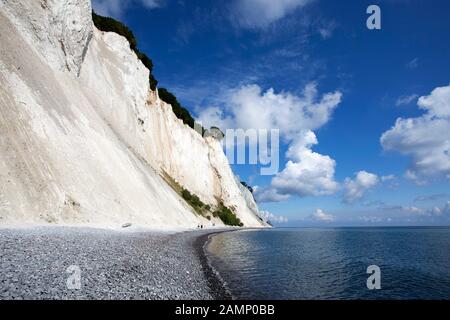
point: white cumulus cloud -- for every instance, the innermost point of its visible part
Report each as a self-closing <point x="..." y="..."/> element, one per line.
<point x="437" y="103"/>
<point x="270" y="217"/>
<point x="269" y="195"/>
<point x="355" y="189"/>
<point x="306" y="172"/>
<point x="425" y="139"/>
<point x="254" y="14"/>
<point x="320" y="215"/>
<point x="248" y="107"/>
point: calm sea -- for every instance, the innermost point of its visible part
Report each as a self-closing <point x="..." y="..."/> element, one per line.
<point x="332" y="263"/>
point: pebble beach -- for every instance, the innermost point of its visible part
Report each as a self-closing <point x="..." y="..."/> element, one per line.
<point x="86" y="263"/>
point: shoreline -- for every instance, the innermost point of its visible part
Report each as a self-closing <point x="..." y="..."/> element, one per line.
<point x="115" y="265"/>
<point x="216" y="284"/>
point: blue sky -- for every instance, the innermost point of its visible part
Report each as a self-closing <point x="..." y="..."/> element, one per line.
<point x="334" y="88"/>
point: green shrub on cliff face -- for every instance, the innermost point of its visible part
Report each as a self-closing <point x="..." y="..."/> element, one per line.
<point x="149" y="64"/>
<point x="193" y="200"/>
<point x="247" y="186"/>
<point x="181" y="112"/>
<point x="108" y="24"/>
<point x="227" y="216"/>
<point x="146" y="61"/>
<point x="222" y="212"/>
<point x="153" y="82"/>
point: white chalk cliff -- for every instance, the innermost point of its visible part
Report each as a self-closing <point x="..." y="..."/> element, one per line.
<point x="83" y="139"/>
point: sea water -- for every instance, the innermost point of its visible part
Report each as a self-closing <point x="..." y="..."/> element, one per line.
<point x="414" y="263"/>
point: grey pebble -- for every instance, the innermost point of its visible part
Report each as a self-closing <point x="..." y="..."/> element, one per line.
<point x="113" y="264"/>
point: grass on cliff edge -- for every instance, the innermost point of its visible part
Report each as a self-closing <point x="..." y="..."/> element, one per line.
<point x="108" y="24"/>
<point x="227" y="216"/>
<point x="222" y="212"/>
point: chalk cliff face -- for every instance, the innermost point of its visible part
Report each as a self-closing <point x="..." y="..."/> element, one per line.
<point x="84" y="140"/>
